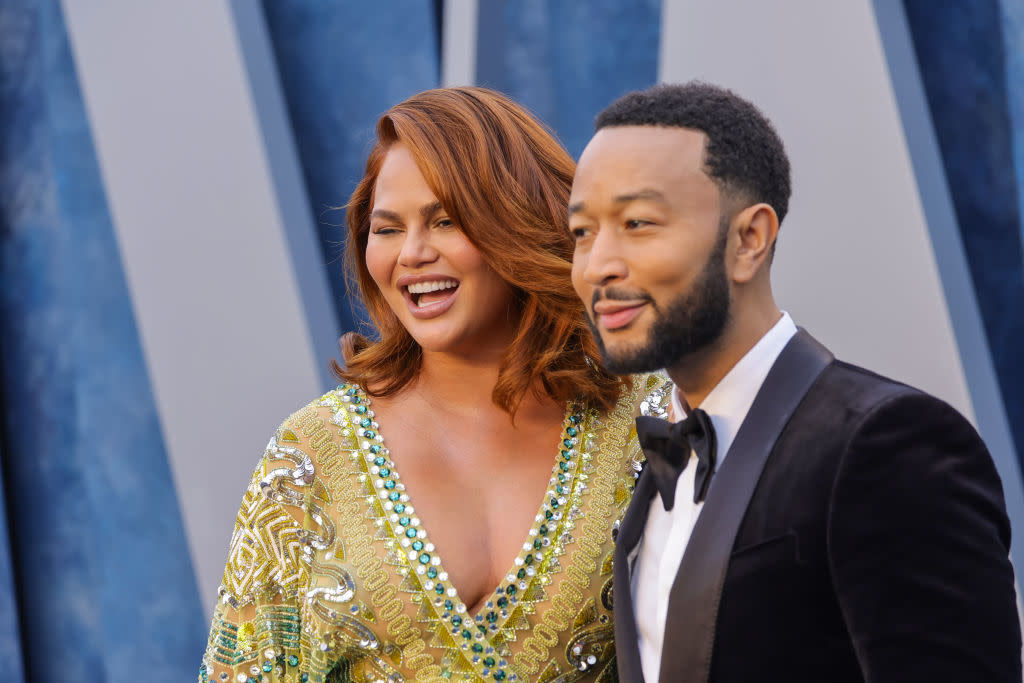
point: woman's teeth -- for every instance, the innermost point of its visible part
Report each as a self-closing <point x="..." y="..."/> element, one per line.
<point x="424" y="287"/>
<point x="424" y="292"/>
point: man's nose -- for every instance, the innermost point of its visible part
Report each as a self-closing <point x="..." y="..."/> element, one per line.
<point x="605" y="260"/>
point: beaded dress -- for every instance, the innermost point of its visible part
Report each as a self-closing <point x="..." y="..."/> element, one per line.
<point x="331" y="577"/>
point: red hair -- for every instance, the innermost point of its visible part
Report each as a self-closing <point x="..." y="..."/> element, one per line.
<point x="504" y="180"/>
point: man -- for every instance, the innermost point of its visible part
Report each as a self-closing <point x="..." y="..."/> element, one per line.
<point x="828" y="524"/>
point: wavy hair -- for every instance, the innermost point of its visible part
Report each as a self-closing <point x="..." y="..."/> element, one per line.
<point x="504" y="180"/>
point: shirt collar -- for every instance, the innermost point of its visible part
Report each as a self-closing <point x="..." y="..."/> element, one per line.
<point x="730" y="399"/>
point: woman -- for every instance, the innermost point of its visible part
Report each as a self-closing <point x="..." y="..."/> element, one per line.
<point x="489" y="558"/>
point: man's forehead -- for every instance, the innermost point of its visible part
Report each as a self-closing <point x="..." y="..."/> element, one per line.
<point x="640" y="157"/>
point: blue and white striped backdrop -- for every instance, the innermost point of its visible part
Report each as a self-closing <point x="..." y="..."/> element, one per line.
<point x="170" y="247"/>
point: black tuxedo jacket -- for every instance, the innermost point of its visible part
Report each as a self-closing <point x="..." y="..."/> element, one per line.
<point x="855" y="532"/>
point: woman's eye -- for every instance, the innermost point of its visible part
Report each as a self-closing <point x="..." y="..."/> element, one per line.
<point x="636" y="223"/>
<point x="444" y="223"/>
<point x="578" y="233"/>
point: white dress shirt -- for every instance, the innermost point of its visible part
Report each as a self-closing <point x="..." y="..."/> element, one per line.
<point x="655" y="563"/>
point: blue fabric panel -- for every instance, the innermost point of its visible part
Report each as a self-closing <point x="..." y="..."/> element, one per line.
<point x="567" y="61"/>
<point x="10" y="638"/>
<point x="962" y="57"/>
<point x="342" y="63"/>
<point x="107" y="590"/>
<point x="1013" y="38"/>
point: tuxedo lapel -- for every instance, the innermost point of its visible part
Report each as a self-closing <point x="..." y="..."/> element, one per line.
<point x="695" y="594"/>
<point x="627" y="648"/>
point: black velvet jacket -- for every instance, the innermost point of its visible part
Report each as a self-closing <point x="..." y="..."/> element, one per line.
<point x="855" y="532"/>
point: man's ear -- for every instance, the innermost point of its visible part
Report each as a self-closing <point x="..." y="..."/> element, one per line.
<point x="755" y="229"/>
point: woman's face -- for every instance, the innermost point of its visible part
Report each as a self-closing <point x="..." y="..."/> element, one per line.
<point x="433" y="278"/>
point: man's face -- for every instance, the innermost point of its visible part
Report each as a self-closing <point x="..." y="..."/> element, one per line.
<point x="650" y="244"/>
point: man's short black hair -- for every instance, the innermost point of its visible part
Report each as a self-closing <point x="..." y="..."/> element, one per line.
<point x="744" y="154"/>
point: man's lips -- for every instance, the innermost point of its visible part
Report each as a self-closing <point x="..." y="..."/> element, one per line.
<point x="614" y="315"/>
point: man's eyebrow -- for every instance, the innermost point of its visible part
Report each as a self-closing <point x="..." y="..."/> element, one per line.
<point x="649" y="195"/>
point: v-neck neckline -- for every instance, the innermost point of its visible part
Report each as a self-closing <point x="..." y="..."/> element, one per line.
<point x="410" y="546"/>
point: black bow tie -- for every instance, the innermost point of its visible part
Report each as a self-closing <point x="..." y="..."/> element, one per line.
<point x="667" y="447"/>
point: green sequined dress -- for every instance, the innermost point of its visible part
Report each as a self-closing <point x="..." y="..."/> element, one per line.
<point x="330" y="576"/>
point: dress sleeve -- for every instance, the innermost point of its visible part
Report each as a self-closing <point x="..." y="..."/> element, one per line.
<point x="256" y="624"/>
<point x="918" y="545"/>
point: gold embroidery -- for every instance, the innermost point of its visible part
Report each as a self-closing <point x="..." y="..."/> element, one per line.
<point x="337" y="596"/>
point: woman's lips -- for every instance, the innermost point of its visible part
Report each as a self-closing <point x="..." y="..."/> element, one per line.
<point x="616" y="316"/>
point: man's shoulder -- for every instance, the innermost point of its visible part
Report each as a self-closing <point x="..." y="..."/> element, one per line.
<point x="852" y="394"/>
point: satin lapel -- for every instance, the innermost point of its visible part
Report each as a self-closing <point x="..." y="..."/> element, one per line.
<point x="695" y="595"/>
<point x="627" y="649"/>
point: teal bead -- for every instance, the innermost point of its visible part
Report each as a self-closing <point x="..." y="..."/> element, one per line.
<point x="575" y="419"/>
<point x="356" y="399"/>
<point x="492" y="617"/>
<point x="561" y="478"/>
<point x="571" y="431"/>
<point x="385" y="472"/>
<point x="528" y="559"/>
<point x="399" y="508"/>
<point x="375" y="449"/>
<point x="554" y="503"/>
<point x="432" y="572"/>
<point x="361" y="410"/>
<point x="404" y="521"/>
<point x="499" y="675"/>
<point x="293" y="660"/>
<point x="567" y="455"/>
<point x="370" y="434"/>
<point x="394" y="495"/>
<point x="439" y="588"/>
<point x="417" y="545"/>
<point x="548" y="514"/>
<point x="542" y="530"/>
<point x="466" y="634"/>
<point x="478" y="648"/>
<point x="521" y="574"/>
<point x="304" y="678"/>
<point x="560" y="490"/>
<point x="564" y="466"/>
<point x="379" y="460"/>
<point x="503" y="602"/>
<point x="489" y="661"/>
<point x="365" y="422"/>
<point x="510" y="589"/>
<point x="457" y="620"/>
<point x="268" y="667"/>
<point x="389" y="484"/>
<point x="448" y="604"/>
<point x="351" y="390"/>
<point x="567" y="443"/>
<point x="536" y="544"/>
<point x="410" y="532"/>
<point x="424" y="558"/>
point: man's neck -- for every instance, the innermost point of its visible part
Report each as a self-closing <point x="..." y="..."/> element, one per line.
<point x="698" y="373"/>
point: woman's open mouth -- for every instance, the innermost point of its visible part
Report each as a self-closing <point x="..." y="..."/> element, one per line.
<point x="430" y="298"/>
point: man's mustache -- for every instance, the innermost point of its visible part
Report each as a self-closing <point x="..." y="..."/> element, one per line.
<point x="613" y="294"/>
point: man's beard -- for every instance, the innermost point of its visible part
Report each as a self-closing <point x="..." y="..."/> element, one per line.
<point x="692" y="322"/>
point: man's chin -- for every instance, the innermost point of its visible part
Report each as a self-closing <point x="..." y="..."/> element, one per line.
<point x="630" y="361"/>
